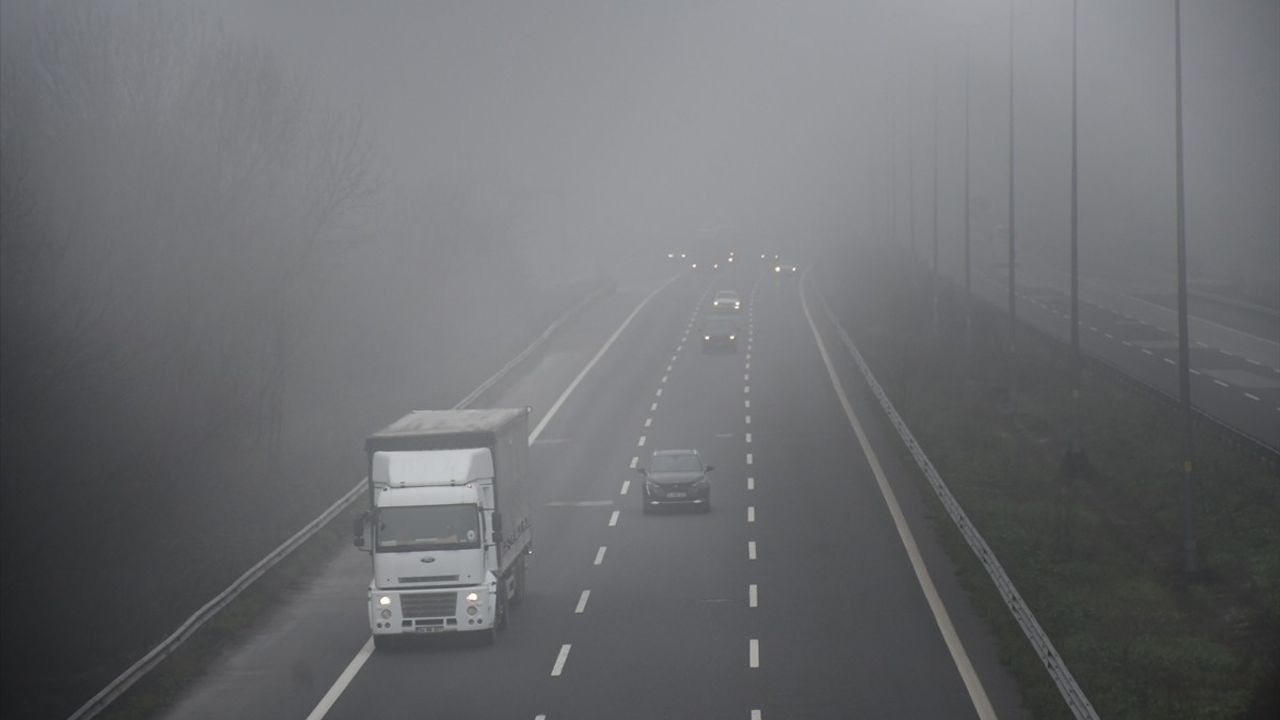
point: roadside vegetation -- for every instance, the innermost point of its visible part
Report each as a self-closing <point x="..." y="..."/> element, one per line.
<point x="1096" y="551"/>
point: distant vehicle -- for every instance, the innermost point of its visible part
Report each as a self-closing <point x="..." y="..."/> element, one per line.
<point x="719" y="333"/>
<point x="769" y="258"/>
<point x="704" y="264"/>
<point x="726" y="301"/>
<point x="676" y="477"/>
<point x="784" y="270"/>
<point x="677" y="256"/>
<point x="448" y="525"/>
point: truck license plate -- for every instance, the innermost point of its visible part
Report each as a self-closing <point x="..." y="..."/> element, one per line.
<point x="675" y="495"/>
<point x="428" y="628"/>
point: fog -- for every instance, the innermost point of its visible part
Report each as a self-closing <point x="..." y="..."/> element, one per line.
<point x="238" y="235"/>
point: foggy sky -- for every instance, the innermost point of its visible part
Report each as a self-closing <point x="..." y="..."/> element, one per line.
<point x="644" y="122"/>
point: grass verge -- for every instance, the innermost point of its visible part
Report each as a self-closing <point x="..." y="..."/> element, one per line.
<point x="1095" y="552"/>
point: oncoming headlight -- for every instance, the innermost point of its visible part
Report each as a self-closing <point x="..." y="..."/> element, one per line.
<point x="384" y="600"/>
<point x="473" y="597"/>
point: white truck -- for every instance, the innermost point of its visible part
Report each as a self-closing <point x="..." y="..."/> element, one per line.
<point x="448" y="525"/>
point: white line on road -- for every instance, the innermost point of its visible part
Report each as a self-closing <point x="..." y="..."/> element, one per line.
<point x="753" y="598"/>
<point x="1147" y="352"/>
<point x="343" y="680"/>
<point x="613" y="519"/>
<point x="751" y="483"/>
<point x="1169" y="361"/>
<point x="748" y="419"/>
<point x="659" y="393"/>
<point x="664" y="378"/>
<point x="746" y="403"/>
<point x="679" y="347"/>
<point x="754" y="653"/>
<point x="641" y="443"/>
<point x="600" y="555"/>
<point x="1195" y="371"/>
<point x="560" y="659"/>
<point x="749" y="458"/>
<point x="751" y="513"/>
<point x="746" y="377"/>
<point x="582" y="602"/>
<point x="653" y="407"/>
<point x="748" y="367"/>
<point x="634" y="461"/>
<point x="751" y="549"/>
<point x="1108" y="336"/>
<point x="626" y="485"/>
<point x="748" y="356"/>
<point x="1216" y="380"/>
<point x="648" y="422"/>
<point x="673" y="358"/>
<point x="972" y="683"/>
<point x="748" y="438"/>
<point x="746" y="389"/>
<point x="755" y="715"/>
<point x="1126" y="343"/>
<point x="668" y="368"/>
<point x="1251" y="396"/>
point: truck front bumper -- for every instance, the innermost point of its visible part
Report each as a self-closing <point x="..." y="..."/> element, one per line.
<point x="427" y="610"/>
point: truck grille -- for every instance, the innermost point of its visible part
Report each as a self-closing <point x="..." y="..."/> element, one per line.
<point x="422" y="605"/>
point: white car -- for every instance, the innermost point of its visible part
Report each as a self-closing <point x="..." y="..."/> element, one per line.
<point x="726" y="301"/>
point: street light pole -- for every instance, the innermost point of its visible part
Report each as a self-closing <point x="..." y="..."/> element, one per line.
<point x="1184" y="352"/>
<point x="935" y="193"/>
<point x="1013" y="308"/>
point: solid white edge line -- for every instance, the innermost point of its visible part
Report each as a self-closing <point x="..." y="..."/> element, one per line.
<point x="551" y="413"/>
<point x="339" y="685"/>
<point x="972" y="683"/>
<point x="560" y="660"/>
<point x="582" y="602"/>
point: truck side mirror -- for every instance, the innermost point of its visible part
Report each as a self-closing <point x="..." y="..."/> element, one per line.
<point x="358" y="526"/>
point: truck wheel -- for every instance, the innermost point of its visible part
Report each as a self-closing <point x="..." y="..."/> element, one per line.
<point x="517" y="596"/>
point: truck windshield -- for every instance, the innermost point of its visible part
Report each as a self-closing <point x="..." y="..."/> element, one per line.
<point x="432" y="527"/>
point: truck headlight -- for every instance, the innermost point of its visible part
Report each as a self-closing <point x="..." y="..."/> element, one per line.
<point x="473" y="597"/>
<point x="384" y="600"/>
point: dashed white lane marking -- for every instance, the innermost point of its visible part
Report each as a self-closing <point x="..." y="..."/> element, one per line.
<point x="626" y="485"/>
<point x="748" y="367"/>
<point x="748" y="438"/>
<point x="753" y="659"/>
<point x="1094" y="329"/>
<point x="653" y="407"/>
<point x="748" y="419"/>
<point x="749" y="458"/>
<point x="679" y="348"/>
<point x="664" y="378"/>
<point x="1195" y="371"/>
<point x="600" y="555"/>
<point x="560" y="660"/>
<point x="1228" y="353"/>
<point x="1147" y="352"/>
<point x="755" y="715"/>
<point x="1108" y="336"/>
<point x="751" y="483"/>
<point x="648" y="422"/>
<point x="1169" y="361"/>
<point x="540" y="717"/>
<point x="751" y="513"/>
<point x="746" y="377"/>
<point x="641" y="443"/>
<point x="634" y="461"/>
<point x="582" y="602"/>
<point x="751" y="549"/>
<point x="1126" y="343"/>
<point x="746" y="389"/>
<point x="668" y="368"/>
<point x="753" y="598"/>
<point x="1216" y="380"/>
<point x="1251" y="396"/>
<point x="748" y="356"/>
<point x="673" y="358"/>
<point x="659" y="393"/>
<point x="746" y="403"/>
<point x="613" y="519"/>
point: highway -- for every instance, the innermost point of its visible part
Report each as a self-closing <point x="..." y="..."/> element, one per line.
<point x="795" y="597"/>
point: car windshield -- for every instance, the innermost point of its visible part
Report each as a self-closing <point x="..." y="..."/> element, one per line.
<point x="726" y="296"/>
<point x="671" y="463"/>
<point x="718" y="326"/>
<point x="435" y="527"/>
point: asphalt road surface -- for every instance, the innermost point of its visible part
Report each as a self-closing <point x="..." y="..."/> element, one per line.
<point x="795" y="597"/>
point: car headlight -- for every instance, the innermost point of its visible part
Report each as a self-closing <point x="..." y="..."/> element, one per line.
<point x="706" y="337"/>
<point x="778" y="269"/>
<point x="473" y="597"/>
<point x="384" y="600"/>
<point x="733" y="337"/>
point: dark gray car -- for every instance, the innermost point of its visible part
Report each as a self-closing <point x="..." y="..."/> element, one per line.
<point x="676" y="477"/>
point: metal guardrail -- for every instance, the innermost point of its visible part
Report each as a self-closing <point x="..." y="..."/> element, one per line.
<point x="148" y="662"/>
<point x="1074" y="697"/>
